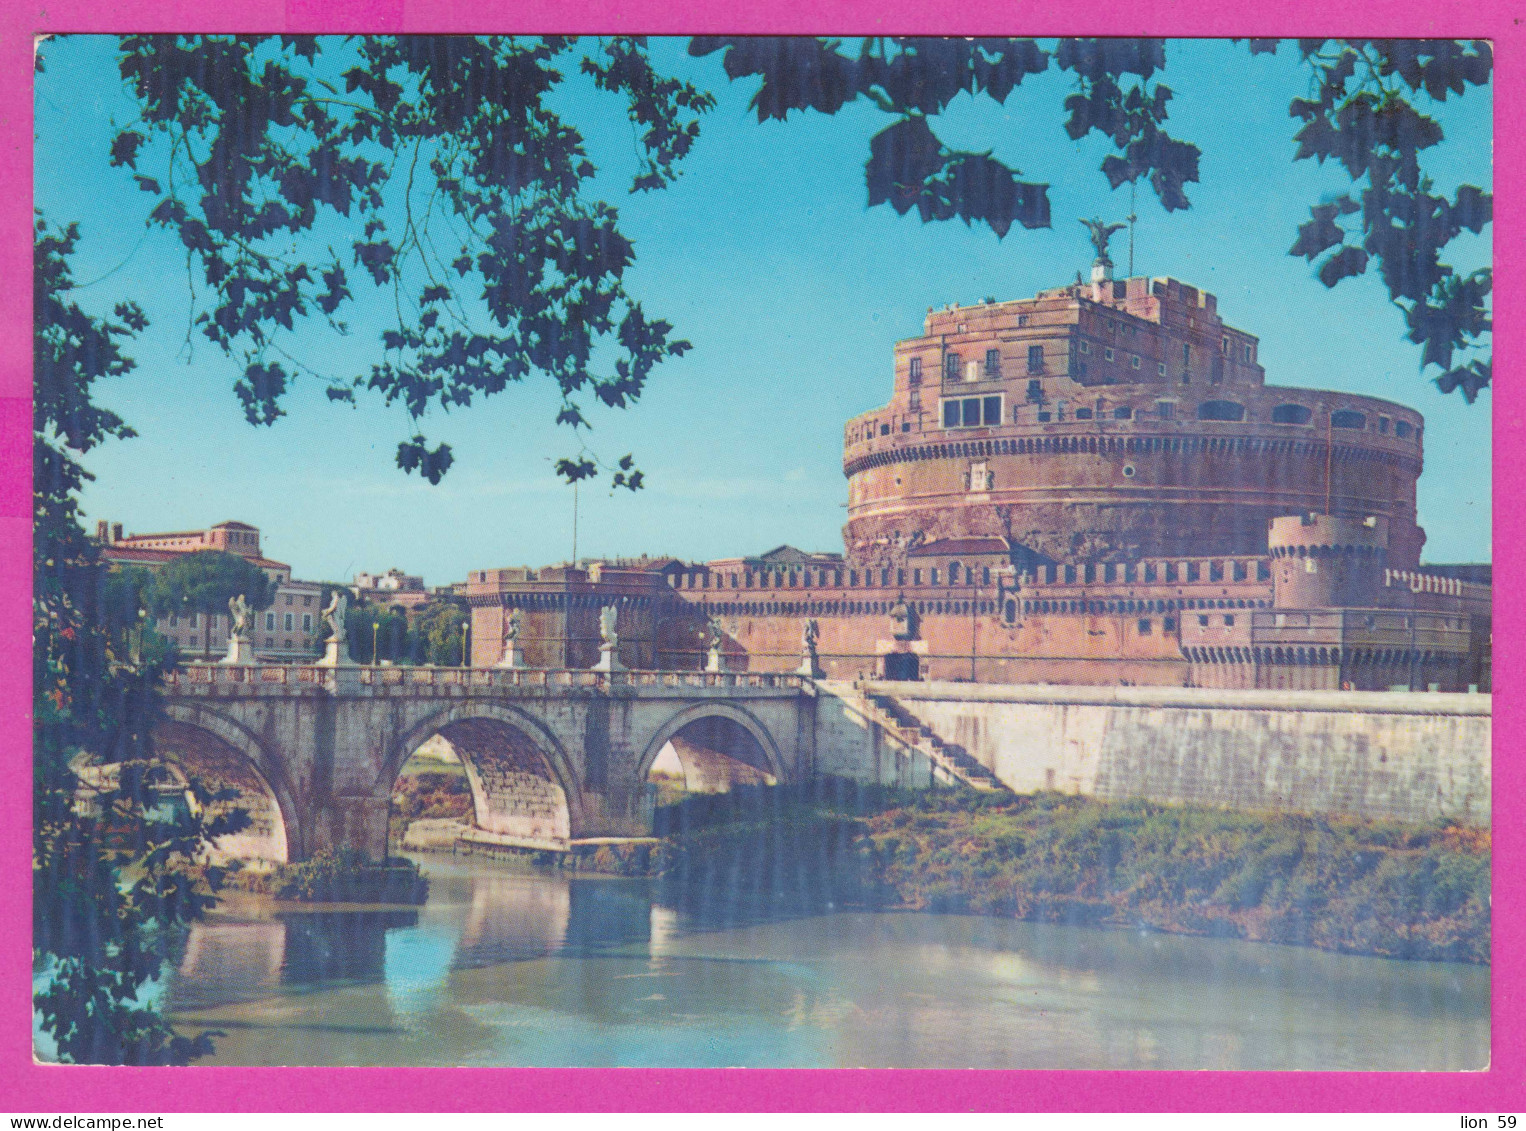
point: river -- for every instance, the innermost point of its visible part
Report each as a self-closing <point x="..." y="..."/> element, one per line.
<point x="512" y="966"/>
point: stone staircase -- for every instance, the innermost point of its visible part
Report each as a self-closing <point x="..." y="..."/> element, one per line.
<point x="951" y="763"/>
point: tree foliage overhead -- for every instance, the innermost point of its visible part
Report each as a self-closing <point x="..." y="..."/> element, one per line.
<point x="464" y="195"/>
<point x="914" y="79"/>
<point x="112" y="869"/>
<point x="1362" y="112"/>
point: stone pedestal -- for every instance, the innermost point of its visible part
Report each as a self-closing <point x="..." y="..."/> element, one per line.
<point x="240" y="651"/>
<point x="714" y="662"/>
<point x="511" y="656"/>
<point x="608" y="660"/>
<point x="336" y="655"/>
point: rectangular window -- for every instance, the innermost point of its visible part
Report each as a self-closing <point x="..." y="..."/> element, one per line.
<point x="270" y="623"/>
<point x="1035" y="391"/>
<point x="915" y="402"/>
<point x="1202" y="620"/>
<point x="1086" y="347"/>
<point x="1134" y="362"/>
<point x="1193" y="572"/>
<point x="288" y="598"/>
<point x="1163" y="409"/>
<point x="286" y="623"/>
<point x="1229" y="620"/>
<point x="1149" y="572"/>
<point x="1044" y="417"/>
<point x="1109" y="353"/>
<point x="916" y="577"/>
<point x="1168" y="624"/>
<point x="1250" y="355"/>
<point x="306" y="601"/>
<point x="174" y="622"/>
<point x="1239" y="571"/>
<point x="307" y="622"/>
<point x="1186" y="354"/>
<point x="1162" y="367"/>
<point x="1383" y="425"/>
<point x="1144" y="626"/>
<point x="884" y="429"/>
<point x="972" y="412"/>
<point x="1170" y="573"/>
<point x="1035" y="359"/>
<point x="916" y="371"/>
<point x="1022" y="320"/>
<point x="993" y="363"/>
<point x="951" y="367"/>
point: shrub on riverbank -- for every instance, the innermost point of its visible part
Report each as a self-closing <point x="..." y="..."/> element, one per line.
<point x="1370" y="887"/>
<point x="338" y="877"/>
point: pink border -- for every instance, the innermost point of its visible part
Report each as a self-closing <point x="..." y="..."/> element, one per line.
<point x="27" y="1087"/>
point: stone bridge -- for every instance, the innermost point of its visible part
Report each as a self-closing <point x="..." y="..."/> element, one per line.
<point x="551" y="756"/>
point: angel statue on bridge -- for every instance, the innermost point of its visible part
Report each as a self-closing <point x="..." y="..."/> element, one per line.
<point x="334" y="613"/>
<point x="238" y="615"/>
<point x="608" y="616"/>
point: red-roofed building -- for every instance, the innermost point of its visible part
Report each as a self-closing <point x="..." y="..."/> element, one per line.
<point x="290" y="629"/>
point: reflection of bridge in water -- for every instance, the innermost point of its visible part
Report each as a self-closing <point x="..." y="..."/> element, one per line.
<point x="551" y="756"/>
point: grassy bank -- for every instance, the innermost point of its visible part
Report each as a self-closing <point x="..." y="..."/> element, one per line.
<point x="1367" y="887"/>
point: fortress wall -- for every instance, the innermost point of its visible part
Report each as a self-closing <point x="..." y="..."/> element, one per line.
<point x="1415" y="757"/>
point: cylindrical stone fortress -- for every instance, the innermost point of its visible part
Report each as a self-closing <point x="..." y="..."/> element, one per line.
<point x="1116" y="420"/>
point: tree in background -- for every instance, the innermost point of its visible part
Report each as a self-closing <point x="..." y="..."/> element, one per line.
<point x="111" y="877"/>
<point x="442" y="629"/>
<point x="379" y="632"/>
<point x="204" y="582"/>
<point x="1366" y="112"/>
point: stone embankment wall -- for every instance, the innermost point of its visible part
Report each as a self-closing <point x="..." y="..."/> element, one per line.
<point x="1410" y="756"/>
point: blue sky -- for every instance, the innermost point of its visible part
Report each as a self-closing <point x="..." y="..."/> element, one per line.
<point x="765" y="257"/>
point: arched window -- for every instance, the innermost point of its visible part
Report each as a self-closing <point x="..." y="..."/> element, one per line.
<point x="1220" y="410"/>
<point x="955" y="573"/>
<point x="1291" y="414"/>
<point x="1346" y="418"/>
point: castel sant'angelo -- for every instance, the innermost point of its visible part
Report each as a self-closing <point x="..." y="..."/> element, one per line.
<point x="1095" y="485"/>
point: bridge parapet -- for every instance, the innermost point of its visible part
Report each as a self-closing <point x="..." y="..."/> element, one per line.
<point x="288" y="679"/>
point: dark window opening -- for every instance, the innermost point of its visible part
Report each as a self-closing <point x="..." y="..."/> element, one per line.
<point x="884" y="429"/>
<point x="1035" y="359"/>
<point x="990" y="408"/>
<point x="993" y="363"/>
<point x="1291" y="414"/>
<point x="1123" y="412"/>
<point x="1083" y="414"/>
<point x="1346" y="418"/>
<point x="1220" y="410"/>
<point x="951" y="367"/>
<point x="1144" y="626"/>
<point x="1036" y="391"/>
<point x="1402" y="429"/>
<point x="1168" y="624"/>
<point x="915" y="375"/>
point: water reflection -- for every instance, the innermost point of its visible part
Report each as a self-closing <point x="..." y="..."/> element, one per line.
<point x="509" y="966"/>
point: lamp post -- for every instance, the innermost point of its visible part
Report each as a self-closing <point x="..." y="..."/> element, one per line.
<point x="465" y="625"/>
<point x="375" y="628"/>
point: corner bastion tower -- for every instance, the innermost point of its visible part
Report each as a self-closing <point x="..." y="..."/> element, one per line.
<point x="1116" y="420"/>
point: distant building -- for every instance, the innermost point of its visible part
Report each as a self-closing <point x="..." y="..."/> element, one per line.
<point x="391" y="588"/>
<point x="289" y="630"/>
<point x="1095" y="485"/>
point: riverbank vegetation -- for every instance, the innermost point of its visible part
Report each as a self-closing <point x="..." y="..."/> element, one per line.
<point x="1367" y="887"/>
<point x="344" y="876"/>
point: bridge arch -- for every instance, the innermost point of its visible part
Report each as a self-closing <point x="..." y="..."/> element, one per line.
<point x="523" y="785"/>
<point x="222" y="753"/>
<point x="703" y="733"/>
